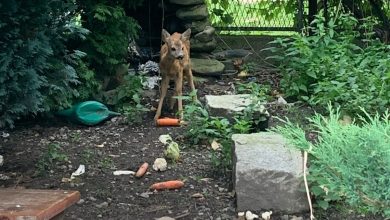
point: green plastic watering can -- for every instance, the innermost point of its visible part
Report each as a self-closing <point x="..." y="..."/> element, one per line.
<point x="88" y="113"/>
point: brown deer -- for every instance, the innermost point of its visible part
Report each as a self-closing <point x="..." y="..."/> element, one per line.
<point x="174" y="64"/>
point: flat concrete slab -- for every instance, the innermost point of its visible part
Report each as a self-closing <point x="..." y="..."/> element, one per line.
<point x="34" y="204"/>
<point x="227" y="105"/>
<point x="267" y="174"/>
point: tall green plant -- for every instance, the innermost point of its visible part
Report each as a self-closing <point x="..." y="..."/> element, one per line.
<point x="348" y="163"/>
<point x="111" y="31"/>
<point x="37" y="70"/>
<point x="341" y="62"/>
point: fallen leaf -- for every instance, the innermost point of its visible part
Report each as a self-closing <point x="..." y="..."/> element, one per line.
<point x="215" y="145"/>
<point x="243" y="74"/>
<point x="197" y="195"/>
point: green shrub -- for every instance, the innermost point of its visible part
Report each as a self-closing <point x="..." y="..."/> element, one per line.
<point x="111" y="31"/>
<point x="341" y="62"/>
<point x="37" y="71"/>
<point x="348" y="163"/>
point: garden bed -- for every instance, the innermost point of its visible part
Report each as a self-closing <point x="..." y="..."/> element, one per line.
<point x="114" y="145"/>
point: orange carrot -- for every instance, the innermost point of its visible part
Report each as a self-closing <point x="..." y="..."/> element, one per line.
<point x="168" y="122"/>
<point x="142" y="170"/>
<point x="172" y="184"/>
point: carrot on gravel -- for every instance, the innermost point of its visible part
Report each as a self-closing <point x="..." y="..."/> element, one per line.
<point x="172" y="184"/>
<point x="168" y="122"/>
<point x="142" y="170"/>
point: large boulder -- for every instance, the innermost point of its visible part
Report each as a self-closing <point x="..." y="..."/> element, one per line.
<point x="187" y="2"/>
<point x="267" y="174"/>
<point x="194" y="13"/>
<point x="206" y="67"/>
<point x="197" y="46"/>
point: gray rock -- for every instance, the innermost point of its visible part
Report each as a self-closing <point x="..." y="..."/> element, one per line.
<point x="197" y="46"/>
<point x="1" y="160"/>
<point x="222" y="105"/>
<point x="267" y="174"/>
<point x="228" y="64"/>
<point x="197" y="26"/>
<point x="206" y="35"/>
<point x="187" y="2"/>
<point x="207" y="67"/>
<point x="102" y="205"/>
<point x="194" y="13"/>
<point x="228" y="105"/>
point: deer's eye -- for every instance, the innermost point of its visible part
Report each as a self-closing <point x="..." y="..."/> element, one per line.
<point x="182" y="48"/>
<point x="173" y="49"/>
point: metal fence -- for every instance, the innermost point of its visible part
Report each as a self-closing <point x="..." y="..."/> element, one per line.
<point x="256" y="15"/>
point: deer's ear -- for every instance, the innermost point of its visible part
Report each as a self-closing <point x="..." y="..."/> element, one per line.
<point x="186" y="35"/>
<point x="165" y="35"/>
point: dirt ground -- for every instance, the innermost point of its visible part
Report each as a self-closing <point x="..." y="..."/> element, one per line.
<point x="114" y="145"/>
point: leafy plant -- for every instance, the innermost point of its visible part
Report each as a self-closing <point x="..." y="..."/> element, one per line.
<point x="134" y="113"/>
<point x="203" y="128"/>
<point x="348" y="163"/>
<point x="50" y="157"/>
<point x="37" y="70"/>
<point x="338" y="63"/>
<point x="111" y="30"/>
<point x="255" y="114"/>
<point x="129" y="91"/>
<point x="106" y="163"/>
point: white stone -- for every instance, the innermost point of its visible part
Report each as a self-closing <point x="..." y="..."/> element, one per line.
<point x="160" y="164"/>
<point x="267" y="174"/>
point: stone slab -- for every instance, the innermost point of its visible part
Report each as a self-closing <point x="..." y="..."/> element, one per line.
<point x="35" y="204"/>
<point x="223" y="105"/>
<point x="267" y="174"/>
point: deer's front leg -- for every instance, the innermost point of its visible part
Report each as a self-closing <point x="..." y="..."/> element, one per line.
<point x="163" y="93"/>
<point x="179" y="93"/>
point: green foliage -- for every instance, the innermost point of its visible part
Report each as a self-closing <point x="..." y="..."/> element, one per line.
<point x="236" y="13"/>
<point x="106" y="163"/>
<point x="89" y="85"/>
<point x="37" y="71"/>
<point x="111" y="31"/>
<point x="50" y="157"/>
<point x="135" y="111"/>
<point x="338" y="63"/>
<point x="348" y="163"/>
<point x="255" y="113"/>
<point x="203" y="128"/>
<point x="129" y="91"/>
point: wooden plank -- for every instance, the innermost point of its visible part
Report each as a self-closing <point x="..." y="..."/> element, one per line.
<point x="32" y="204"/>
